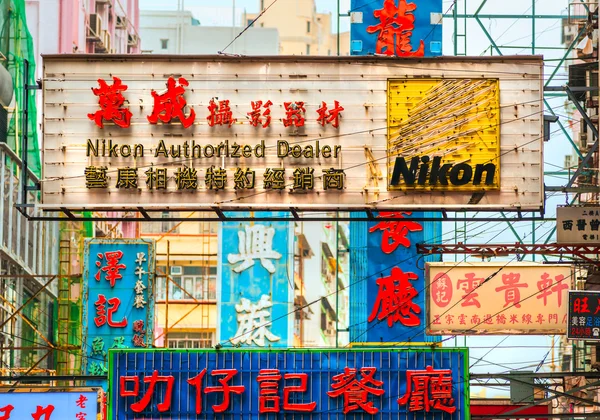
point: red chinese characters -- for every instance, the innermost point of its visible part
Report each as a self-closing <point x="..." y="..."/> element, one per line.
<point x="469" y="285"/>
<point x="395" y="28"/>
<point x="81" y="401"/>
<point x="331" y="116"/>
<point x="294" y="114"/>
<point x="111" y="102"/>
<point x="394" y="300"/>
<point x="103" y="316"/>
<point x="511" y="285"/>
<point x="112" y="268"/>
<point x="171" y="104"/>
<point x="5" y="411"/>
<point x="547" y="286"/>
<point x="356" y="392"/>
<point x="43" y="411"/>
<point x="224" y="388"/>
<point x="258" y="116"/>
<point x="428" y="389"/>
<point x="441" y="290"/>
<point x="395" y="232"/>
<point x="220" y="114"/>
<point x="141" y="405"/>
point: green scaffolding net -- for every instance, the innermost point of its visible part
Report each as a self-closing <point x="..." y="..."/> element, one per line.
<point x="16" y="46"/>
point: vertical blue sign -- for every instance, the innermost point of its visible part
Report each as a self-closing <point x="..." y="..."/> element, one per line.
<point x="388" y="280"/>
<point x="256" y="284"/>
<point x="400" y="28"/>
<point x="118" y="298"/>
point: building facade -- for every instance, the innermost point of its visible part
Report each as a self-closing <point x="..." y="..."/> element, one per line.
<point x="178" y="32"/>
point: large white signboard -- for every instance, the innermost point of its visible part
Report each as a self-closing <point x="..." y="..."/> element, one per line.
<point x="305" y="133"/>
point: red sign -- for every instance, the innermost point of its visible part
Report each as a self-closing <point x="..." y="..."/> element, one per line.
<point x="501" y="409"/>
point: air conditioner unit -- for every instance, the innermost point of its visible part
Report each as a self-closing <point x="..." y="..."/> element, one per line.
<point x="176" y="270"/>
<point x="583" y="140"/>
<point x="95" y="27"/>
<point x="121" y="22"/>
<point x="106" y="41"/>
<point x="132" y="40"/>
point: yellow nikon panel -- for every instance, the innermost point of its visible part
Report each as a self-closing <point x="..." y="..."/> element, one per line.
<point x="443" y="134"/>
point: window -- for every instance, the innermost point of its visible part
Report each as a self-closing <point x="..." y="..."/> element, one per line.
<point x="199" y="340"/>
<point x="167" y="225"/>
<point x="307" y="49"/>
<point x="308" y="27"/>
<point x="196" y="282"/>
<point x="164" y="44"/>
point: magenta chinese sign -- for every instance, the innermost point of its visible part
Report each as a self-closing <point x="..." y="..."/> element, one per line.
<point x="278" y="384"/>
<point x="118" y="298"/>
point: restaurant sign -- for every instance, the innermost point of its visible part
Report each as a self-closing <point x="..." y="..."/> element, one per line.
<point x="315" y="384"/>
<point x="152" y="133"/>
<point x="497" y="298"/>
<point x="578" y="225"/>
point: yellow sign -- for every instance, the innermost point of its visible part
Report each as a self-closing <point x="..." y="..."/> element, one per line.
<point x="444" y="134"/>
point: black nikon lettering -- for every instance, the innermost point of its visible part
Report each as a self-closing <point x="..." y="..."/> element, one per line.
<point x="419" y="172"/>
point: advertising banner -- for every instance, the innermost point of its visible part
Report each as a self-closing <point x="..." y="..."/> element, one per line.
<point x="48" y="404"/>
<point x="315" y="384"/>
<point x="118" y="298"/>
<point x="400" y="28"/>
<point x="578" y="225"/>
<point x="584" y="315"/>
<point x="497" y="298"/>
<point x="390" y="278"/>
<point x="287" y="134"/>
<point x="489" y="408"/>
<point x="255" y="305"/>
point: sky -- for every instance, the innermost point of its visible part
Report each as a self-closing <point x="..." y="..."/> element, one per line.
<point x="514" y="36"/>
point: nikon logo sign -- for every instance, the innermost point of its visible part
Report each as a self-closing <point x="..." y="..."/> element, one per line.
<point x="425" y="171"/>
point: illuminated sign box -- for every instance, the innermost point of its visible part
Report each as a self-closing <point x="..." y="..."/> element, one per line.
<point x="497" y="298"/>
<point x="292" y="133"/>
<point x="315" y="384"/>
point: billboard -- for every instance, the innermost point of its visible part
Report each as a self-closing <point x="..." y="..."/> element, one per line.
<point x="286" y="134"/>
<point x="387" y="274"/>
<point x="28" y="403"/>
<point x="578" y="225"/>
<point x="118" y="298"/>
<point x="255" y="295"/>
<point x="401" y="28"/>
<point x="487" y="409"/>
<point x="315" y="384"/>
<point x="583" y="315"/>
<point x="497" y="298"/>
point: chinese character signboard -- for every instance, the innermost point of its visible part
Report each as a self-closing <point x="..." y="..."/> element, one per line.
<point x="317" y="384"/>
<point x="497" y="298"/>
<point x="118" y="298"/>
<point x="255" y="294"/>
<point x="398" y="28"/>
<point x="583" y="322"/>
<point x="53" y="404"/>
<point x="389" y="278"/>
<point x="578" y="225"/>
<point x="282" y="134"/>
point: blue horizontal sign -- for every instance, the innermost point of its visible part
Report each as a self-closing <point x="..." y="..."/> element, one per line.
<point x="63" y="405"/>
<point x="334" y="384"/>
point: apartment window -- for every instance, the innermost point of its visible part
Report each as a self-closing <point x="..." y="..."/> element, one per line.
<point x="308" y="27"/>
<point x="307" y="49"/>
<point x="199" y="340"/>
<point x="164" y="44"/>
<point x="188" y="283"/>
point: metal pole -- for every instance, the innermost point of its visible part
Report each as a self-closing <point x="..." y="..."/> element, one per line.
<point x="533" y="29"/>
<point x="338" y="29"/>
<point x="25" y="140"/>
<point x="166" y="343"/>
<point x="337" y="286"/>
